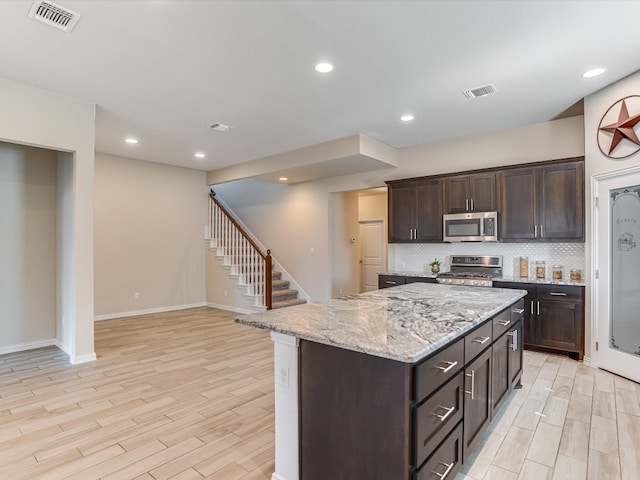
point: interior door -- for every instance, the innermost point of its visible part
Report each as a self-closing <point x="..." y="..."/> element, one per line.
<point x="617" y="222"/>
<point x="372" y="254"/>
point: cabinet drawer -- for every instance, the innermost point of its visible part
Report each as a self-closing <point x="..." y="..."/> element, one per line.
<point x="435" y="418"/>
<point x="445" y="461"/>
<point x="560" y="292"/>
<point x="476" y="341"/>
<point x="506" y="319"/>
<point x="437" y="369"/>
<point x="385" y="281"/>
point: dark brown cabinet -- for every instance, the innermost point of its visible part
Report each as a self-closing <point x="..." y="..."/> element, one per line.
<point x="507" y="361"/>
<point x="554" y="317"/>
<point x="542" y="203"/>
<point x="386" y="281"/>
<point x="477" y="404"/>
<point x="469" y="193"/>
<point x="415" y="211"/>
<point x="363" y="416"/>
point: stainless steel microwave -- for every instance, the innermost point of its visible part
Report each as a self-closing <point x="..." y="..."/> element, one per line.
<point x="470" y="227"/>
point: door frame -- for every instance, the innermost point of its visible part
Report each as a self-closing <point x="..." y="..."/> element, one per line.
<point x="385" y="248"/>
<point x="600" y="201"/>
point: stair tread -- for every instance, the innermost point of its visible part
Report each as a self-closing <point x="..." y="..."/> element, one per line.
<point x="284" y="292"/>
<point x="288" y="303"/>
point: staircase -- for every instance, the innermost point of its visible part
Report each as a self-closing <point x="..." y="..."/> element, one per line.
<point x="247" y="263"/>
<point x="281" y="295"/>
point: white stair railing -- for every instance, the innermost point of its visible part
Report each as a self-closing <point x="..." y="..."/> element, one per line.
<point x="240" y="252"/>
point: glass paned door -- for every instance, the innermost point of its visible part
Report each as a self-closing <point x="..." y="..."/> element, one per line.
<point x="625" y="269"/>
<point x="617" y="247"/>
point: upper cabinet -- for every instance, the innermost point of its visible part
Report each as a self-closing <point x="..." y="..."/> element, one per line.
<point x="542" y="203"/>
<point x="470" y="193"/>
<point x="415" y="210"/>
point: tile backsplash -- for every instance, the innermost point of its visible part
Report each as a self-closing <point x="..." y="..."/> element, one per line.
<point x="417" y="257"/>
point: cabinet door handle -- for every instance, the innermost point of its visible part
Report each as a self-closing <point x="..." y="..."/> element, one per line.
<point x="446" y="472"/>
<point x="449" y="366"/>
<point x="472" y="205"/>
<point x="519" y="311"/>
<point x="446" y="415"/>
<point x="531" y="307"/>
<point x="389" y="282"/>
<point x="473" y="384"/>
<point x="535" y="231"/>
<point x="466" y="204"/>
<point x="538" y="312"/>
<point x="514" y="338"/>
<point x="541" y="231"/>
<point x="504" y="323"/>
<point x="481" y="340"/>
<point x="558" y="294"/>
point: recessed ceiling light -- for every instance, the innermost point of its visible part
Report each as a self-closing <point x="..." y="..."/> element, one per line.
<point x="220" y="127"/>
<point x="324" y="67"/>
<point x="593" y="73"/>
<point x="131" y="140"/>
<point x="199" y="155"/>
<point x="283" y="179"/>
<point x="407" y="118"/>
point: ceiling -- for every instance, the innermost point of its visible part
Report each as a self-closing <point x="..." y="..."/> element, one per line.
<point x="163" y="71"/>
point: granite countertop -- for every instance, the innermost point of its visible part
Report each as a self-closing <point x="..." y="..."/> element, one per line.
<point x="537" y="281"/>
<point x="404" y="323"/>
<point x="411" y="274"/>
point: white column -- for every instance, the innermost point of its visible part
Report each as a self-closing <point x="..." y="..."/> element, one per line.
<point x="286" y="400"/>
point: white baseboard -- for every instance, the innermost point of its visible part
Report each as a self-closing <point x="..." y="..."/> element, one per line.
<point x="87" y="357"/>
<point x="587" y="361"/>
<point x="230" y="308"/>
<point x="21" y="347"/>
<point x="135" y="313"/>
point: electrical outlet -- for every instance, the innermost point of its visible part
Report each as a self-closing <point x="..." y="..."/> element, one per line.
<point x="225" y="293"/>
<point x="136" y="296"/>
<point x="283" y="377"/>
<point x="312" y="250"/>
<point x="340" y="291"/>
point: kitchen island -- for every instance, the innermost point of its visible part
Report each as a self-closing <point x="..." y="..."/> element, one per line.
<point x="379" y="385"/>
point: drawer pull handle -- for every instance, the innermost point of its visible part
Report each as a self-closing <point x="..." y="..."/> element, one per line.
<point x="449" y="367"/>
<point x="473" y="384"/>
<point x="446" y="415"/>
<point x="389" y="282"/>
<point x="481" y="340"/>
<point x="446" y="472"/>
<point x="504" y="323"/>
<point x="558" y="294"/>
<point x="519" y="311"/>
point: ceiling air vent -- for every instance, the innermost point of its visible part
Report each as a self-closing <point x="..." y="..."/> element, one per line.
<point x="220" y="127"/>
<point x="54" y="15"/>
<point x="482" y="91"/>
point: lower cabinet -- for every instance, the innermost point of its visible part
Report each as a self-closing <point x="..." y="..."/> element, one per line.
<point x="386" y="281"/>
<point x="554" y="317"/>
<point x="477" y="404"/>
<point x="365" y="417"/>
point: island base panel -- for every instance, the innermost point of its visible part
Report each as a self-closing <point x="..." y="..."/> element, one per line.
<point x="347" y="399"/>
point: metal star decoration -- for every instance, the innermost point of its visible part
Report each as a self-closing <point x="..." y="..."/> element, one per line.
<point x="623" y="128"/>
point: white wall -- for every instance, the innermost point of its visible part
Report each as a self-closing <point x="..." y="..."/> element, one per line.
<point x="28" y="178"/>
<point x="149" y="236"/>
<point x="292" y="219"/>
<point x="596" y="162"/>
<point x="32" y="116"/>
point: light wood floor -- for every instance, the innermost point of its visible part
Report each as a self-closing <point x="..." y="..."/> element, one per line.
<point x="189" y="395"/>
<point x="181" y="395"/>
<point x="568" y="422"/>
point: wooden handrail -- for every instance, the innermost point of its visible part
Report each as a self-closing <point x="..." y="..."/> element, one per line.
<point x="266" y="256"/>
